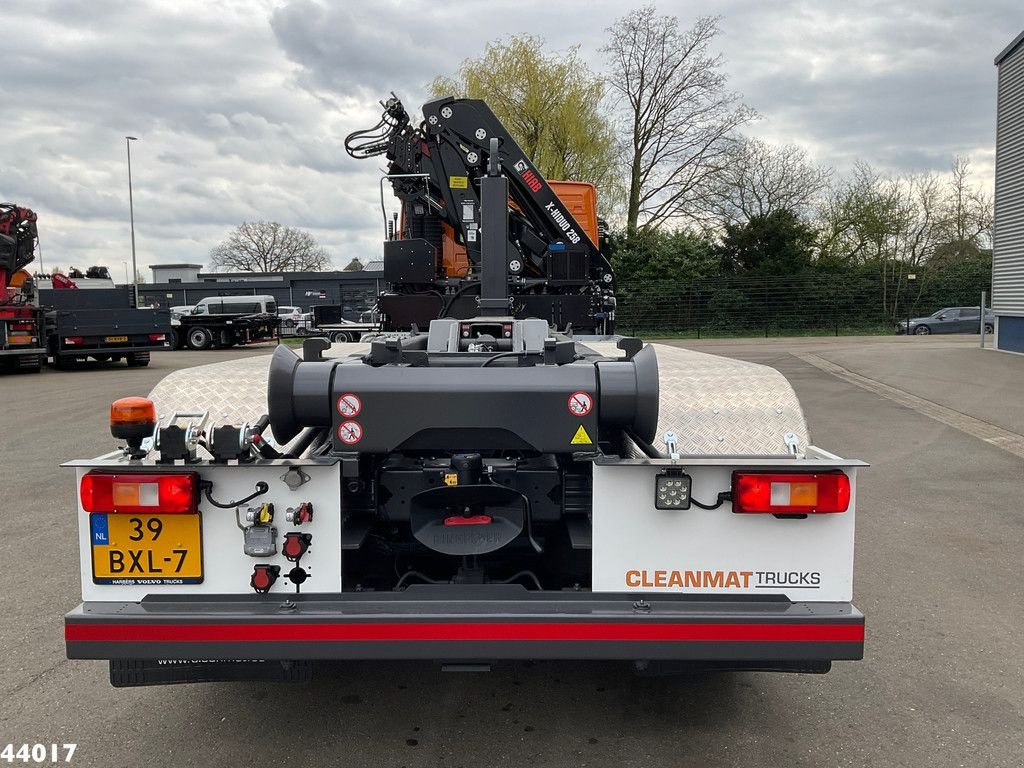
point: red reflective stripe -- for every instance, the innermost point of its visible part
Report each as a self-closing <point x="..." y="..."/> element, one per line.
<point x="458" y="631"/>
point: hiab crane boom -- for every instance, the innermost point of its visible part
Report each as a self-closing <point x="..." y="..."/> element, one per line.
<point x="550" y="263"/>
<point x="489" y="489"/>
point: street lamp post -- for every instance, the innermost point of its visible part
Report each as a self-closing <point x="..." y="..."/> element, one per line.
<point x="910" y="282"/>
<point x="131" y="214"/>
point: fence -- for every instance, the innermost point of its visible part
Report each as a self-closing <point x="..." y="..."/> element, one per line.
<point x="835" y="304"/>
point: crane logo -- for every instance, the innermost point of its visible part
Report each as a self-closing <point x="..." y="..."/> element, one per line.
<point x="528" y="175"/>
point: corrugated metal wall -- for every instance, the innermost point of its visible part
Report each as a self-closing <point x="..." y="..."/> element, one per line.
<point x="1008" y="261"/>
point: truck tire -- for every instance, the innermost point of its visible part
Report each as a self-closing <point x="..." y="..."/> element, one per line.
<point x="341" y="337"/>
<point x="227" y="339"/>
<point x="199" y="338"/>
<point x="176" y="339"/>
<point x="66" y="363"/>
<point x="137" y="359"/>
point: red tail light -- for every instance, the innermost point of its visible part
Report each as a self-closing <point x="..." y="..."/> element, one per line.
<point x="135" y="493"/>
<point x="72" y="341"/>
<point x="157" y="336"/>
<point x="22" y="327"/>
<point x="790" y="493"/>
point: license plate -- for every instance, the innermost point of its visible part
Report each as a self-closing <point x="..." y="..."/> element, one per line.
<point x="146" y="549"/>
<point x="115" y="339"/>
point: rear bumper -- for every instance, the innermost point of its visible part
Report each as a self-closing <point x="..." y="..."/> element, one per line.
<point x="483" y="624"/>
<point x="22" y="351"/>
<point x="112" y="349"/>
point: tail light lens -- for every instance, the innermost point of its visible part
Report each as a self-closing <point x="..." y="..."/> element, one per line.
<point x="790" y="493"/>
<point x="157" y="337"/>
<point x="72" y="341"/>
<point x="135" y="493"/>
<point x="22" y="327"/>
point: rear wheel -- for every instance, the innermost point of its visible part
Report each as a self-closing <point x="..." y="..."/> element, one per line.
<point x="989" y="328"/>
<point x="341" y="337"/>
<point x="176" y="339"/>
<point x="227" y="339"/>
<point x="922" y="330"/>
<point x="137" y="359"/>
<point x="200" y="338"/>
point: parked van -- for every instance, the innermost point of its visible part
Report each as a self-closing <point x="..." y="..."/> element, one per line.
<point x="236" y="305"/>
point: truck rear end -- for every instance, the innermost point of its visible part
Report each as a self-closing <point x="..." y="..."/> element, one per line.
<point x="484" y="492"/>
<point x="102" y="324"/>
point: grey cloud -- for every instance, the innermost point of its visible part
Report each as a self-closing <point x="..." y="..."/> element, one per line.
<point x="242" y="109"/>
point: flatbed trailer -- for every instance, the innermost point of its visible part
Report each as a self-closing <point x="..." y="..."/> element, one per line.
<point x="223" y="331"/>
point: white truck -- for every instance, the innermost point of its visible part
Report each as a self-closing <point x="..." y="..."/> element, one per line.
<point x="420" y="508"/>
<point x="492" y="488"/>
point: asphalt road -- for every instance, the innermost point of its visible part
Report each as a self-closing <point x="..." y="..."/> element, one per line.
<point x="940" y="543"/>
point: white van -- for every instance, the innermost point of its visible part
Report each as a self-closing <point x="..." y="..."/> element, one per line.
<point x="236" y="305"/>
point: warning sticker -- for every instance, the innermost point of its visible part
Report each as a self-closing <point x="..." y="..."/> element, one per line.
<point x="581" y="437"/>
<point x="458" y="182"/>
<point x="350" y="432"/>
<point x="580" y="403"/>
<point x="349" y="405"/>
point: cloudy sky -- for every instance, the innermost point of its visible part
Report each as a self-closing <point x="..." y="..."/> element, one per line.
<point x="241" y="107"/>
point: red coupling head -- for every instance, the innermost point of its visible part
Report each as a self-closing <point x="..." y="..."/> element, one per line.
<point x="295" y="545"/>
<point x="300" y="514"/>
<point x="263" y="577"/>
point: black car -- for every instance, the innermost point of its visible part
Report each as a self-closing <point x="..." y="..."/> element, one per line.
<point x="949" y="320"/>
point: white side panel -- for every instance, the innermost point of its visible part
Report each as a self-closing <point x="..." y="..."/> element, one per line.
<point x="638" y="548"/>
<point x="226" y="568"/>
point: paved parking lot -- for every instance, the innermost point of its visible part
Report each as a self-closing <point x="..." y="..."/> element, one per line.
<point x="940" y="543"/>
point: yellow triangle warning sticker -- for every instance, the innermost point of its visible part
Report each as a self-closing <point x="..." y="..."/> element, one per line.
<point x="581" y="437"/>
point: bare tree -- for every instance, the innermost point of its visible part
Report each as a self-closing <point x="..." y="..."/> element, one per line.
<point x="969" y="210"/>
<point x="678" y="115"/>
<point x="266" y="246"/>
<point x="759" y="178"/>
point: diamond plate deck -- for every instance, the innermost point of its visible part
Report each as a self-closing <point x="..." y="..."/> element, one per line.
<point x="717" y="406"/>
<point x="234" y="391"/>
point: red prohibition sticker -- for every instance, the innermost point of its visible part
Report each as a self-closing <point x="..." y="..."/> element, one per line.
<point x="349" y="405"/>
<point x="350" y="432"/>
<point x="580" y="403"/>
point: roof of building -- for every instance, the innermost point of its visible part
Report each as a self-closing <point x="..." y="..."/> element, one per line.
<point x="1009" y="49"/>
<point x="333" y="275"/>
<point x="175" y="266"/>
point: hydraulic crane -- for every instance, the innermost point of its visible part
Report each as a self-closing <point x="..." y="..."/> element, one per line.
<point x="439" y="171"/>
<point x="21" y="319"/>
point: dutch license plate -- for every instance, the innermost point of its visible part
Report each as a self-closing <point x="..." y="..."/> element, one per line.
<point x="146" y="549"/>
<point x="115" y="339"/>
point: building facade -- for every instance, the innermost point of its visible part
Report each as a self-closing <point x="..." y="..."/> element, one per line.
<point x="356" y="292"/>
<point x="1008" y="233"/>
